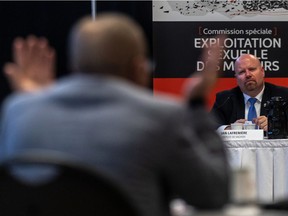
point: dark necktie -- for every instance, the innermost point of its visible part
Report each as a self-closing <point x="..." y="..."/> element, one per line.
<point x="252" y="111"/>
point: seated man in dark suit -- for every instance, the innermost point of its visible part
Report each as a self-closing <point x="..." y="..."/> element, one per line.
<point x="155" y="149"/>
<point x="233" y="105"/>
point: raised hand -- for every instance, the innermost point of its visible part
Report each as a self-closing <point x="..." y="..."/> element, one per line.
<point x="203" y="81"/>
<point x="34" y="64"/>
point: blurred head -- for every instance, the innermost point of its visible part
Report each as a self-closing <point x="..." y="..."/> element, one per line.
<point x="249" y="74"/>
<point x="113" y="44"/>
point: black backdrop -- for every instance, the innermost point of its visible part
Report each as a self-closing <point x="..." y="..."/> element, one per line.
<point x="53" y="19"/>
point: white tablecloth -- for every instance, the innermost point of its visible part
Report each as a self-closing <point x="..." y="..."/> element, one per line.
<point x="268" y="162"/>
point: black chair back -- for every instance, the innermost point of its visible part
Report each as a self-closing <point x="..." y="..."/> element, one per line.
<point x="71" y="191"/>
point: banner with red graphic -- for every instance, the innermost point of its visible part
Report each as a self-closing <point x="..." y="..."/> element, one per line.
<point x="183" y="28"/>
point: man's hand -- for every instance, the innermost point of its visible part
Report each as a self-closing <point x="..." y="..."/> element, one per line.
<point x="262" y="122"/>
<point x="202" y="82"/>
<point x="34" y="64"/>
<point x="242" y="121"/>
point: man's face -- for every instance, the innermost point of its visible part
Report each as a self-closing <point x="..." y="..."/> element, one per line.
<point x="249" y="75"/>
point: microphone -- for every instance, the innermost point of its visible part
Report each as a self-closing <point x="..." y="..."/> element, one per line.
<point x="226" y="100"/>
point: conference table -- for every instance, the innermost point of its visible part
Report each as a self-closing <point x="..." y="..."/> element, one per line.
<point x="180" y="208"/>
<point x="239" y="211"/>
<point x="267" y="162"/>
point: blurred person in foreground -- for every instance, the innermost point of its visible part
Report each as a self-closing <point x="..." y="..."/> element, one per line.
<point x="102" y="116"/>
<point x="233" y="105"/>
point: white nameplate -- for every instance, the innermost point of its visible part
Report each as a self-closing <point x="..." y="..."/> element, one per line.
<point x="242" y="135"/>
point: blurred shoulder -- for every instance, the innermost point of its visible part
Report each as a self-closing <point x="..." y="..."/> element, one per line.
<point x="20" y="100"/>
<point x="163" y="103"/>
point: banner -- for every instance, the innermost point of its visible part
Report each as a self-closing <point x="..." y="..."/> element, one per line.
<point x="183" y="28"/>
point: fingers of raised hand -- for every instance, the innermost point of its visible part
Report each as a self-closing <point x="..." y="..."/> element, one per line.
<point x="212" y="55"/>
<point x="34" y="63"/>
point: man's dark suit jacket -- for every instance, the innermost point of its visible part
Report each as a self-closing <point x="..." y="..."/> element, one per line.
<point x="229" y="105"/>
